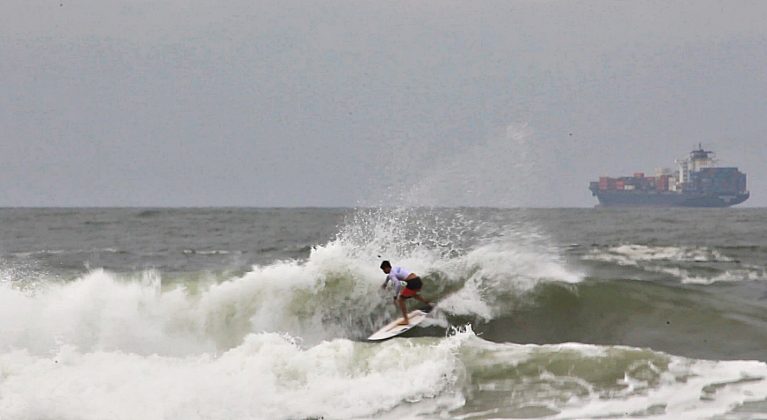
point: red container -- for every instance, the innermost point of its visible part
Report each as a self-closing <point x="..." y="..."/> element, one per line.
<point x="661" y="184"/>
<point x="606" y="183"/>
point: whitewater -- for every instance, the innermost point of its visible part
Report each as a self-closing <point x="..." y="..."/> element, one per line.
<point x="263" y="314"/>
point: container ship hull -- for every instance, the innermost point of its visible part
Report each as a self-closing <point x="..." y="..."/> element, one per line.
<point x="696" y="183"/>
<point x="667" y="199"/>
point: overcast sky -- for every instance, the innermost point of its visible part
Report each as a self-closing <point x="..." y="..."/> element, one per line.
<point x="344" y="103"/>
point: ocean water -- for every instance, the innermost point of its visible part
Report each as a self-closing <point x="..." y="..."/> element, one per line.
<point x="263" y="314"/>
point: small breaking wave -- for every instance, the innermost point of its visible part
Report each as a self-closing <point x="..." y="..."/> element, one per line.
<point x="686" y="264"/>
<point x="633" y="254"/>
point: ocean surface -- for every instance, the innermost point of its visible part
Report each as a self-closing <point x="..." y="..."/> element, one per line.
<point x="263" y="314"/>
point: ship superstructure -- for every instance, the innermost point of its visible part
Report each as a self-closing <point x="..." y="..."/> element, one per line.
<point x="697" y="182"/>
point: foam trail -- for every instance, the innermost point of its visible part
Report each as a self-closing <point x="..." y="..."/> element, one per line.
<point x="268" y="376"/>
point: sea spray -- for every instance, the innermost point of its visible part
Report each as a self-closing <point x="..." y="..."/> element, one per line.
<point x="469" y="263"/>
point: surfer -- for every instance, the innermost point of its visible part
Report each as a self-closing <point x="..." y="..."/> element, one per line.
<point x="406" y="285"/>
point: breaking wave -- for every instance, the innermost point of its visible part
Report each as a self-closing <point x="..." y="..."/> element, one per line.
<point x="334" y="293"/>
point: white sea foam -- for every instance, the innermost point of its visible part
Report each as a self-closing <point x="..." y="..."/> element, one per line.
<point x="574" y="380"/>
<point x="272" y="375"/>
<point x="687" y="389"/>
<point x="729" y="276"/>
<point x="323" y="297"/>
<point x="267" y="376"/>
<point x="633" y="254"/>
<point x="99" y="311"/>
<point x="209" y="252"/>
<point x="43" y="252"/>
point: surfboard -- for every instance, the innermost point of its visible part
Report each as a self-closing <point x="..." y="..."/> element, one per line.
<point x="392" y="329"/>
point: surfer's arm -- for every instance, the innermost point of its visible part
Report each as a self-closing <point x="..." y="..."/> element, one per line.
<point x="397" y="285"/>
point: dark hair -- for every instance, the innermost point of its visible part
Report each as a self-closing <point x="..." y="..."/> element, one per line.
<point x="385" y="264"/>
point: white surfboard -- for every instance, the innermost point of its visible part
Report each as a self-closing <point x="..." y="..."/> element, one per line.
<point x="393" y="330"/>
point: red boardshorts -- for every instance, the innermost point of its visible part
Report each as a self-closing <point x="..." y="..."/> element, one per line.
<point x="413" y="286"/>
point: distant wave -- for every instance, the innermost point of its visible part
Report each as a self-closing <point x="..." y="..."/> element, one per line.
<point x="688" y="264"/>
<point x="210" y="252"/>
<point x="632" y="254"/>
<point x="47" y="252"/>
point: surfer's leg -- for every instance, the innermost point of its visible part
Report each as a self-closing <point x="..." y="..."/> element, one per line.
<point x="401" y="302"/>
<point x="422" y="300"/>
<point x="412" y="289"/>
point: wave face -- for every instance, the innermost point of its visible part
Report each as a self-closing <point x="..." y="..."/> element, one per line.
<point x="263" y="314"/>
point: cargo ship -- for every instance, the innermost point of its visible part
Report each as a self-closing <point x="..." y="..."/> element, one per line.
<point x="695" y="183"/>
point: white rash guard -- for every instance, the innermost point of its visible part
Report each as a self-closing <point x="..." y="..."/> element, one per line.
<point x="397" y="276"/>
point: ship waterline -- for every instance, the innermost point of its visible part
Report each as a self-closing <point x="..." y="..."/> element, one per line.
<point x="668" y="199"/>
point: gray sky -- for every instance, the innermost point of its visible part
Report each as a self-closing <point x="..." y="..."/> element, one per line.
<point x="330" y="103"/>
